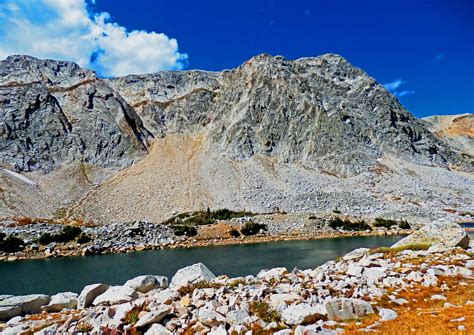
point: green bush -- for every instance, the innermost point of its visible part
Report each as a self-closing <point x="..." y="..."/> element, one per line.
<point x="11" y="244"/>
<point x="252" y="228"/>
<point x="264" y="311"/>
<point x="234" y="233"/>
<point x="337" y="223"/>
<point x="184" y="230"/>
<point x="68" y="234"/>
<point x="404" y="224"/>
<point x="206" y="217"/>
<point x="386" y="223"/>
<point x="83" y="238"/>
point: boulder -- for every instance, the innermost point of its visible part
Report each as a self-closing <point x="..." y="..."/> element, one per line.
<point x="237" y="317"/>
<point x="276" y="273"/>
<point x="116" y="295"/>
<point x="157" y="329"/>
<point x="60" y="301"/>
<point x="387" y="314"/>
<point x="147" y="283"/>
<point x="26" y="304"/>
<point x="154" y="316"/>
<point x="298" y="314"/>
<point x="89" y="293"/>
<point x="190" y="275"/>
<point x="210" y="318"/>
<point x="284" y="299"/>
<point x="342" y="309"/>
<point x="437" y="233"/>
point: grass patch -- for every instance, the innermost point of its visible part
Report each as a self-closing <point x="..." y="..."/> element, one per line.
<point x="413" y="246"/>
<point x="264" y="311"/>
<point x="338" y="223"/>
<point x="252" y="228"/>
<point x="131" y="317"/>
<point x="189" y="289"/>
<point x="206" y="217"/>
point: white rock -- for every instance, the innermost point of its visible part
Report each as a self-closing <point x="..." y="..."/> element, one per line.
<point x="218" y="331"/>
<point x="400" y="301"/>
<point x="166" y="296"/>
<point x="210" y="318"/>
<point x="354" y="254"/>
<point x="276" y="273"/>
<point x="342" y="309"/>
<point x="297" y="314"/>
<point x="354" y="270"/>
<point x="284" y="298"/>
<point x="25" y="304"/>
<point x="157" y="329"/>
<point x="387" y="314"/>
<point x="237" y="317"/>
<point x="89" y="293"/>
<point x="154" y="316"/>
<point x="373" y="275"/>
<point x="116" y="295"/>
<point x="60" y="301"/>
<point x="190" y="275"/>
<point x="147" y="283"/>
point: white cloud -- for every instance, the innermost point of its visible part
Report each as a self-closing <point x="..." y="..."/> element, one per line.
<point x="69" y="30"/>
<point x="393" y="87"/>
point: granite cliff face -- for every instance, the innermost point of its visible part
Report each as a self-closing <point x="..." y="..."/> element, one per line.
<point x="53" y="113"/>
<point x="304" y="135"/>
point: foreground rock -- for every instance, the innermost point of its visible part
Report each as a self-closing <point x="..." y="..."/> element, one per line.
<point x="144" y="284"/>
<point x="437" y="235"/>
<point x="66" y="300"/>
<point x="26" y="304"/>
<point x="89" y="293"/>
<point x="191" y="274"/>
<point x="347" y="309"/>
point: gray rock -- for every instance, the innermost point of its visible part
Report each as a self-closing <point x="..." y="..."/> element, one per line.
<point x="115" y="295"/>
<point x="210" y="318"/>
<point x="300" y="313"/>
<point x="387" y="314"/>
<point x="237" y="317"/>
<point x="154" y="316"/>
<point x="26" y="304"/>
<point x="342" y="309"/>
<point x="147" y="283"/>
<point x="157" y="329"/>
<point x="60" y="301"/>
<point x="89" y="293"/>
<point x="190" y="275"/>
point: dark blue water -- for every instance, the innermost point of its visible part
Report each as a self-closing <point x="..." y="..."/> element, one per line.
<point x="50" y="276"/>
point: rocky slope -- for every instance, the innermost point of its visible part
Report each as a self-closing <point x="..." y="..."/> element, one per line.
<point x="457" y="129"/>
<point x="300" y="136"/>
<point x="385" y="291"/>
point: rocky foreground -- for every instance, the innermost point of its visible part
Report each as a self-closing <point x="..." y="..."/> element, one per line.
<point x="429" y="273"/>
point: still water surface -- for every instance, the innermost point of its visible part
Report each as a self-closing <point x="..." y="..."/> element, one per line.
<point x="50" y="276"/>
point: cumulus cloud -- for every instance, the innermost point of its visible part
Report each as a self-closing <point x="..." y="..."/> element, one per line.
<point x="70" y="30"/>
<point x="393" y="87"/>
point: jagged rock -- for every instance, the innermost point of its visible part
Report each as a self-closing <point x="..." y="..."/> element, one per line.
<point x="300" y="313"/>
<point x="60" y="301"/>
<point x="190" y="275"/>
<point x="89" y="293"/>
<point x="343" y="309"/>
<point x="444" y="234"/>
<point x="147" y="283"/>
<point x="237" y="317"/>
<point x="154" y="316"/>
<point x="115" y="295"/>
<point x="25" y="304"/>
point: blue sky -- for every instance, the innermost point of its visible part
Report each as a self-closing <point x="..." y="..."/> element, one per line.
<point x="422" y="50"/>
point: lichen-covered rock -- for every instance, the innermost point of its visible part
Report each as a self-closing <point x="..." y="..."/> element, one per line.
<point x="440" y="234"/>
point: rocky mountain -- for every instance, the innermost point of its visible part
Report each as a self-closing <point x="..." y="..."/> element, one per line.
<point x="305" y="135"/>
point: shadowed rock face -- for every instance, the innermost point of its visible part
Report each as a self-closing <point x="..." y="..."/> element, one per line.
<point x="53" y="113"/>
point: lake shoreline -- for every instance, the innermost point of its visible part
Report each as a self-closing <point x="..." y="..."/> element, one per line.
<point x="74" y="249"/>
